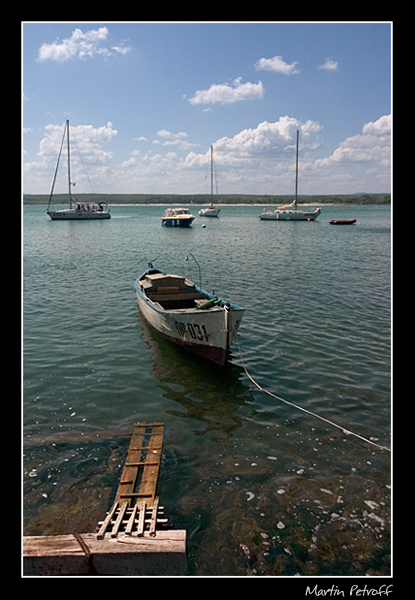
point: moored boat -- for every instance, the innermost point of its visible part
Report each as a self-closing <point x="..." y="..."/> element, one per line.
<point x="290" y="212"/>
<point x="177" y="217"/>
<point x="77" y="211"/>
<point x="187" y="315"/>
<point x="211" y="210"/>
<point x="342" y="221"/>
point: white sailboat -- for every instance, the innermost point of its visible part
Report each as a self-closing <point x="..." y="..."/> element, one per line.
<point x="290" y="212"/>
<point x="77" y="210"/>
<point x="211" y="210"/>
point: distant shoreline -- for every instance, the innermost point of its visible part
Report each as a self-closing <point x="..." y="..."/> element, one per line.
<point x="197" y="200"/>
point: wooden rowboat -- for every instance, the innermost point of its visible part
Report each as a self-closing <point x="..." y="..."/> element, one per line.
<point x="187" y="315"/>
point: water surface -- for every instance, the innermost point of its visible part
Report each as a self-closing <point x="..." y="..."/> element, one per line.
<point x="238" y="467"/>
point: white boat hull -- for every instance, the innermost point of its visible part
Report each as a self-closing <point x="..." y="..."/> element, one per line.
<point x="290" y="215"/>
<point x="76" y="215"/>
<point x="209" y="212"/>
<point x="207" y="332"/>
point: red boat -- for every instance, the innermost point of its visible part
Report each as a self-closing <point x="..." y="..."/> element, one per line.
<point x="342" y="221"/>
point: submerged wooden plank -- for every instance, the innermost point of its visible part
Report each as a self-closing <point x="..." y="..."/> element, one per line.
<point x="152" y="461"/>
<point x="141" y="468"/>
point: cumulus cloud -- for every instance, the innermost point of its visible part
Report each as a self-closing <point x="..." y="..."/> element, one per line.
<point x="278" y="65"/>
<point x="173" y="139"/>
<point x="86" y="138"/>
<point x="225" y="93"/>
<point x="90" y="159"/>
<point x="329" y="65"/>
<point x="373" y="145"/>
<point x="80" y="45"/>
<point x="267" y="140"/>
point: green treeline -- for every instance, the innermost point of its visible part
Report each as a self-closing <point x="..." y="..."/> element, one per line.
<point x="206" y="198"/>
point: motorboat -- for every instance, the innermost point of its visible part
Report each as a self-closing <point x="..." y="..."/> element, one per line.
<point x="177" y="217"/>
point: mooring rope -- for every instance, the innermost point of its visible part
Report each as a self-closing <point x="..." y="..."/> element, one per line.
<point x="343" y="429"/>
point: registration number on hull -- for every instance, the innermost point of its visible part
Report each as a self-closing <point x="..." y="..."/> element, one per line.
<point x="196" y="332"/>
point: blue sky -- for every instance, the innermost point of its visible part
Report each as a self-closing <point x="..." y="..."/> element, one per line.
<point x="146" y="100"/>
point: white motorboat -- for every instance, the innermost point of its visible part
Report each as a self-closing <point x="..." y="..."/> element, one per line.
<point x="290" y="212"/>
<point x="177" y="217"/>
<point x="187" y="315"/>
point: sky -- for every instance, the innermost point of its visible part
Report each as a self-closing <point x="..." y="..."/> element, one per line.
<point x="146" y="100"/>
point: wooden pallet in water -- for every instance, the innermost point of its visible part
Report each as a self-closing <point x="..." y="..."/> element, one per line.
<point x="136" y="508"/>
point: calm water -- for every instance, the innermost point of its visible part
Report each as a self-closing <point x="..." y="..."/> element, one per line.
<point x="238" y="466"/>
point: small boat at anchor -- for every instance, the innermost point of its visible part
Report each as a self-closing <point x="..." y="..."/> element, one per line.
<point x="177" y="217"/>
<point x="211" y="210"/>
<point x="77" y="211"/>
<point x="290" y="212"/>
<point x="187" y="315"/>
<point x="342" y="221"/>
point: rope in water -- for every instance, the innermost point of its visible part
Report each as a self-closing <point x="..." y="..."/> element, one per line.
<point x="343" y="429"/>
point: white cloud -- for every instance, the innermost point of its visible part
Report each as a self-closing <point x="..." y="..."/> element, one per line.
<point x="278" y="65"/>
<point x="381" y="127"/>
<point x="168" y="134"/>
<point x="90" y="159"/>
<point x="80" y="45"/>
<point x="373" y="145"/>
<point x="258" y="160"/>
<point x="267" y="141"/>
<point x="173" y="139"/>
<point x="86" y="138"/>
<point x="329" y="65"/>
<point x="226" y="93"/>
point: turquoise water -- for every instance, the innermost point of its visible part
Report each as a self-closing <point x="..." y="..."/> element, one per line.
<point x="238" y="467"/>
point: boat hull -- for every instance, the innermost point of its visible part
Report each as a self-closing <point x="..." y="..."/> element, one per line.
<point x="176" y="222"/>
<point x="290" y="215"/>
<point x="343" y="222"/>
<point x="75" y="215"/>
<point x="208" y="333"/>
<point x="209" y="212"/>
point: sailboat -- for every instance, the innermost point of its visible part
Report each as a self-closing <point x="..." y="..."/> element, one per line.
<point x="211" y="210"/>
<point x="77" y="210"/>
<point x="290" y="212"/>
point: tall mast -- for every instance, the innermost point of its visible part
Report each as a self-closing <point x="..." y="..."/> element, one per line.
<point x="69" y="164"/>
<point x="211" y="170"/>
<point x="56" y="169"/>
<point x="296" y="172"/>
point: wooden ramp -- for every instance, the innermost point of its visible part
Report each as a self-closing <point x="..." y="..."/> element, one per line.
<point x="132" y="539"/>
<point x="136" y="508"/>
<point x="141" y="470"/>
